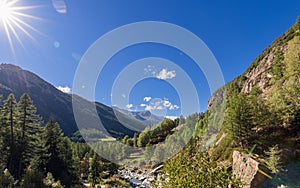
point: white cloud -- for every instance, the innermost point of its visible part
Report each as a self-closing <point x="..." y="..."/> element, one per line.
<point x="155" y="105"/>
<point x="164" y="74"/>
<point x="129" y="106"/>
<point x="160" y="104"/>
<point x="65" y="89"/>
<point x="123" y="95"/>
<point x="147" y="99"/>
<point x="174" y="107"/>
<point x="167" y="103"/>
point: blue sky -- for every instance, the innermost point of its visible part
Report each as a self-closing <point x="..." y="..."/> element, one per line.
<point x="235" y="32"/>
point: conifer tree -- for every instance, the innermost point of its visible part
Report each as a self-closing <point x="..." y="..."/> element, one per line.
<point x="239" y="120"/>
<point x="94" y="170"/>
<point x="135" y="140"/>
<point x="60" y="160"/>
<point x="9" y="123"/>
<point x="29" y="127"/>
<point x="273" y="161"/>
<point x="3" y="141"/>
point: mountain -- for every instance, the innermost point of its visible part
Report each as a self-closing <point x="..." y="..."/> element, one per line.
<point x="271" y="87"/>
<point x="145" y="117"/>
<point x="52" y="102"/>
<point x="252" y="124"/>
<point x="263" y="108"/>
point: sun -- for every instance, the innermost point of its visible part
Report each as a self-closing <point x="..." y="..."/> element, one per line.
<point x="12" y="20"/>
<point x="5" y="11"/>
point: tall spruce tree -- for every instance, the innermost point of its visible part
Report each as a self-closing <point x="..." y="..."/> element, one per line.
<point x="60" y="160"/>
<point x="239" y="120"/>
<point x="95" y="170"/>
<point x="29" y="127"/>
<point x="9" y="124"/>
<point x="3" y="141"/>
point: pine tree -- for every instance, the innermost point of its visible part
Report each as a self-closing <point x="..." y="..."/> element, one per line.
<point x="135" y="140"/>
<point x="94" y="170"/>
<point x="60" y="160"/>
<point x="273" y="161"/>
<point x="144" y="138"/>
<point x="69" y="169"/>
<point x="239" y="120"/>
<point x="52" y="137"/>
<point x="9" y="122"/>
<point x="29" y="125"/>
<point x="3" y="140"/>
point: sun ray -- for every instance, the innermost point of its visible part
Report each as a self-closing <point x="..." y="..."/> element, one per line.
<point x="17" y="24"/>
<point x="21" y="22"/>
<point x="13" y="19"/>
<point x="8" y="36"/>
<point x="15" y="34"/>
<point x="26" y="15"/>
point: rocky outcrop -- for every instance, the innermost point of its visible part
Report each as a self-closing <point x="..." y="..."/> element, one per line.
<point x="217" y="97"/>
<point x="247" y="170"/>
<point x="260" y="74"/>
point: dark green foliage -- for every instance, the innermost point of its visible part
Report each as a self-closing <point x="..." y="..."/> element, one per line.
<point x="239" y="120"/>
<point x="32" y="179"/>
<point x="277" y="68"/>
<point x="9" y="126"/>
<point x="60" y="160"/>
<point x="20" y="134"/>
<point x="273" y="161"/>
<point x="6" y="179"/>
<point x="29" y="124"/>
<point x="95" y="170"/>
<point x="174" y="142"/>
<point x="135" y="140"/>
<point x="158" y="134"/>
<point x="194" y="168"/>
<point x="80" y="150"/>
<point x="100" y="168"/>
<point x="130" y="142"/>
<point x="26" y="145"/>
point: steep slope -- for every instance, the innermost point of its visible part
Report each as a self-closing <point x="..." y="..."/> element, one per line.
<point x="269" y="90"/>
<point x="52" y="102"/>
<point x="268" y="69"/>
<point x="252" y="125"/>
